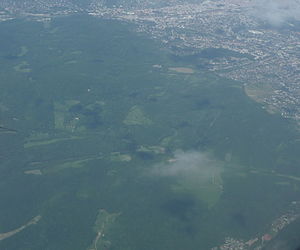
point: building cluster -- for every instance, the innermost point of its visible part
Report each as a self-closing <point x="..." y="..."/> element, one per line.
<point x="37" y="9"/>
<point x="283" y="221"/>
<point x="257" y="53"/>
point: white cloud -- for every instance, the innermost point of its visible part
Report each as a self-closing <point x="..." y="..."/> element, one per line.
<point x="189" y="164"/>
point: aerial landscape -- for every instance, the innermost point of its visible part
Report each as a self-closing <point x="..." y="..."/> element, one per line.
<point x="132" y="125"/>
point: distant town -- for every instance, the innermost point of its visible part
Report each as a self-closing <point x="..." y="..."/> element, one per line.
<point x="264" y="58"/>
<point x="261" y="241"/>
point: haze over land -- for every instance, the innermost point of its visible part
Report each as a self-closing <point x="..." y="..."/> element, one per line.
<point x="141" y="125"/>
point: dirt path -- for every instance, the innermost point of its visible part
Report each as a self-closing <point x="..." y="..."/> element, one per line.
<point x="13" y="232"/>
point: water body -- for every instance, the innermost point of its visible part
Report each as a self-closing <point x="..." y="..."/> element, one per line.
<point x="115" y="151"/>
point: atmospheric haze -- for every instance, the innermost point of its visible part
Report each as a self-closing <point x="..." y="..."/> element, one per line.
<point x="277" y="12"/>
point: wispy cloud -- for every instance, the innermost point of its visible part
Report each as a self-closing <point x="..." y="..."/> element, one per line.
<point x="277" y="12"/>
